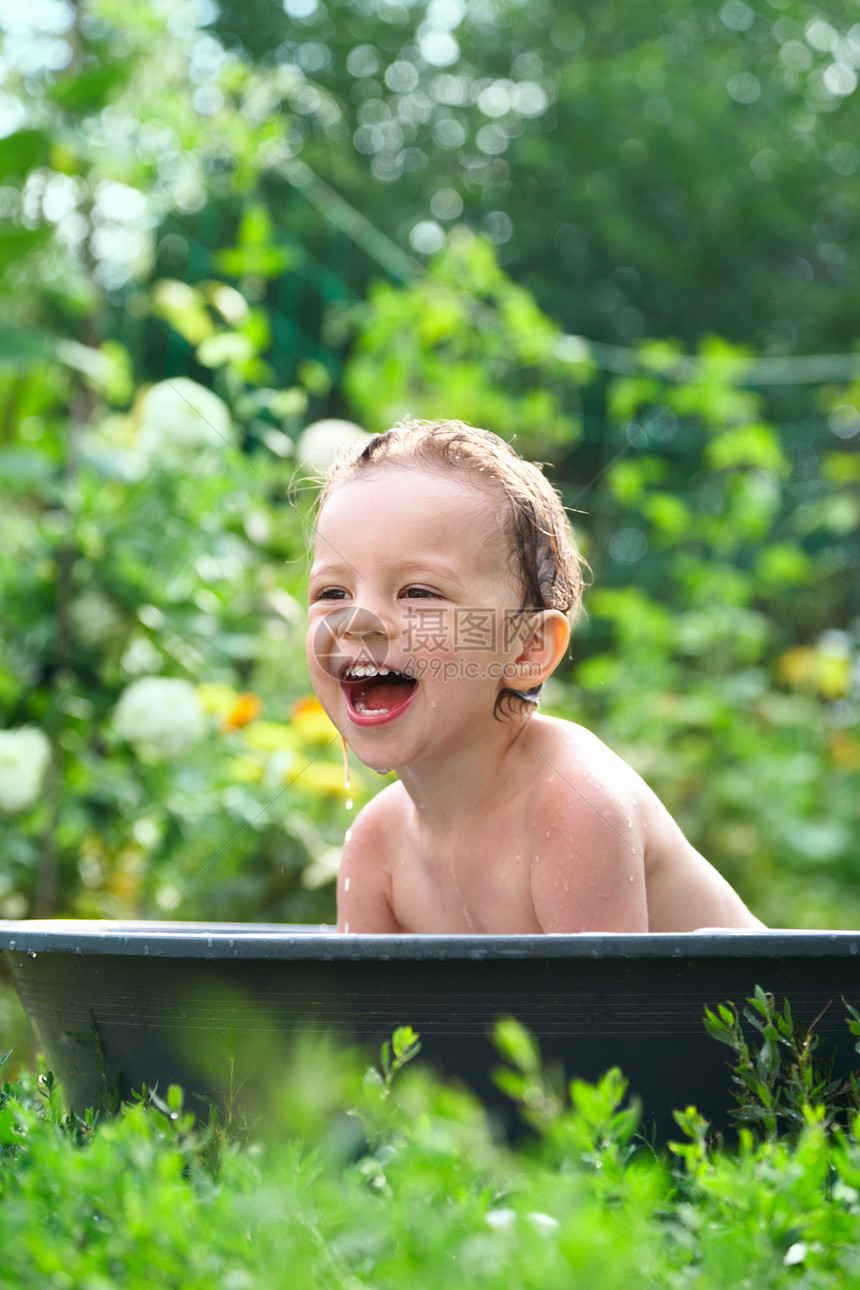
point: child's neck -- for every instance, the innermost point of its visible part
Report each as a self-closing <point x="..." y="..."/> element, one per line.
<point x="466" y="785"/>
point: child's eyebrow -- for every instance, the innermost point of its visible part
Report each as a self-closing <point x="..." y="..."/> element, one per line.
<point x="431" y="566"/>
<point x="329" y="565"/>
<point x="321" y="567"/>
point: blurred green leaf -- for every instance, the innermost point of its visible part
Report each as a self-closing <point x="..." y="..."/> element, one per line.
<point x="16" y="243"/>
<point x="20" y="346"/>
<point x="88" y="89"/>
<point x="21" y="152"/>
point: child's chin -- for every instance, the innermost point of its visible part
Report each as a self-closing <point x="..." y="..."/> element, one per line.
<point x="379" y="767"/>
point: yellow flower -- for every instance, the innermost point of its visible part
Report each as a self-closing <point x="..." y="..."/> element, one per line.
<point x="796" y="666"/>
<point x="832" y="673"/>
<point x="216" y="697"/>
<point x="825" y="668"/>
<point x="311" y="723"/>
<point x="322" y="777"/>
<point x="844" y="749"/>
<point x="269" y="735"/>
<point x="245" y="771"/>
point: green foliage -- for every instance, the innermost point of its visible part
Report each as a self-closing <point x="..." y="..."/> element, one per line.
<point x="158" y="752"/>
<point x="150" y="572"/>
<point x="586" y="1123"/>
<point x="782" y="1083"/>
<point x="466" y="338"/>
<point x="171" y="211"/>
<point x="151" y="1195"/>
<point x="674" y="173"/>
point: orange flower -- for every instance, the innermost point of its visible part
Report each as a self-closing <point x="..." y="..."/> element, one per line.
<point x="246" y="709"/>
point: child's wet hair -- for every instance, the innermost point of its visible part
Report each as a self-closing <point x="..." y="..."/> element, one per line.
<point x="543" y="546"/>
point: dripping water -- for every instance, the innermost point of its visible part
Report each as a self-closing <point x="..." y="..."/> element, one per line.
<point x="346" y="771"/>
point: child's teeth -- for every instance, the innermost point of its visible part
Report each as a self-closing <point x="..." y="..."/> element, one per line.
<point x="361" y="706"/>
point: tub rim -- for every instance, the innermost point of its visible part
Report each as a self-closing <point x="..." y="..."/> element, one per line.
<point x="195" y="940"/>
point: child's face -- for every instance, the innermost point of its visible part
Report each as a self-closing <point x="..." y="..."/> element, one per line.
<point x="413" y="612"/>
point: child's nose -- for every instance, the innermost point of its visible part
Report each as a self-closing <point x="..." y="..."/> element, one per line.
<point x="362" y="622"/>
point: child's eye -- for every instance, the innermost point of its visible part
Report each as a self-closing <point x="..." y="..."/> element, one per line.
<point x="421" y="593"/>
<point x="330" y="593"/>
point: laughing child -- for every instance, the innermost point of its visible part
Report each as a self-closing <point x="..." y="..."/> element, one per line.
<point x="444" y="579"/>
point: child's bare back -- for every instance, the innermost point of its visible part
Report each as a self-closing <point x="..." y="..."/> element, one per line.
<point x="443" y="582"/>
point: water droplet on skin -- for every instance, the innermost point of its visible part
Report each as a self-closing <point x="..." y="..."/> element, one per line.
<point x="433" y="703"/>
<point x="567" y="886"/>
<point x="549" y="833"/>
<point x="346" y="885"/>
<point x="630" y="824"/>
<point x="347" y="835"/>
<point x="631" y="877"/>
<point x="346" y="927"/>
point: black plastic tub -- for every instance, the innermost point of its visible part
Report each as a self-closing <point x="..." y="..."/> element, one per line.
<point x="116" y="1006"/>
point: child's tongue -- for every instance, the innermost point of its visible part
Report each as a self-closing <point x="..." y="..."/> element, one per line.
<point x="384" y="694"/>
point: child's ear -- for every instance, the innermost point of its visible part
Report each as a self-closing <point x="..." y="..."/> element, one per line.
<point x="541" y="650"/>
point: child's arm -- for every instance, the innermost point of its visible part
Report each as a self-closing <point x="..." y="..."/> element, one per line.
<point x="685" y="891"/>
<point x="364" y="877"/>
<point x="590" y="876"/>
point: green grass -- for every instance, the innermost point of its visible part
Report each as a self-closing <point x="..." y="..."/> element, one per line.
<point x="387" y="1177"/>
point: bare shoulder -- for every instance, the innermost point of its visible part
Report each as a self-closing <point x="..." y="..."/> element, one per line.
<point x="588" y="871"/>
<point x="584" y="777"/>
<point x="623" y="848"/>
<point x="380" y="820"/>
<point x="364" y="877"/>
<point x="629" y="831"/>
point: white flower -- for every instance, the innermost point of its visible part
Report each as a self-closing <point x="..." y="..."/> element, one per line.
<point x="160" y="716"/>
<point x="319" y="443"/>
<point x="24" y="757"/>
<point x="179" y="418"/>
<point x="95" y="619"/>
<point x="543" y="1222"/>
<point x="500" y="1218"/>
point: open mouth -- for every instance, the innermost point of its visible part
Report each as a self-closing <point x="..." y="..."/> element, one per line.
<point x="376" y="694"/>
